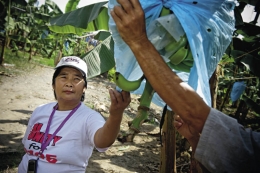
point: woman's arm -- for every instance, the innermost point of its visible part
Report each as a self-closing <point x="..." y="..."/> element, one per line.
<point x="106" y="135"/>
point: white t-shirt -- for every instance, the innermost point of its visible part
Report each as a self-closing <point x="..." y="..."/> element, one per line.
<point x="71" y="148"/>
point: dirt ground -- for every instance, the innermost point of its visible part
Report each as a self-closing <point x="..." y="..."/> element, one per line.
<point x="21" y="94"/>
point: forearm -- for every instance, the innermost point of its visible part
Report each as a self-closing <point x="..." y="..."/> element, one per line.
<point x="160" y="75"/>
<point x="106" y="135"/>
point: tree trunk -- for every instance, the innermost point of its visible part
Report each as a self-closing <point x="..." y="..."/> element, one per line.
<point x="57" y="58"/>
<point x="226" y="97"/>
<point x="3" y="52"/>
<point x="31" y="52"/>
<point x="213" y="82"/>
<point x="168" y="150"/>
<point x="241" y="112"/>
<point x="53" y="49"/>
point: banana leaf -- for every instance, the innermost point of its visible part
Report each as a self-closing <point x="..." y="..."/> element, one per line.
<point x="53" y="6"/>
<point x="21" y="2"/>
<point x="102" y="35"/>
<point x="9" y="25"/>
<point x="20" y="38"/>
<point x="42" y="16"/>
<point x="23" y="27"/>
<point x="251" y="104"/>
<point x="252" y="63"/>
<point x="251" y="2"/>
<point x="71" y="5"/>
<point x="89" y="18"/>
<point x="101" y="58"/>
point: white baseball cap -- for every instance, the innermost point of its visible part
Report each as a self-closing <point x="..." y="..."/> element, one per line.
<point x="74" y="61"/>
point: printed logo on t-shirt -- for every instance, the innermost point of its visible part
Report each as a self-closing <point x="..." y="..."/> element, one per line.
<point x="36" y="136"/>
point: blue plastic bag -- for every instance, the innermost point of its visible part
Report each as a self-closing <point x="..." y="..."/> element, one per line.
<point x="208" y="25"/>
<point x="237" y="90"/>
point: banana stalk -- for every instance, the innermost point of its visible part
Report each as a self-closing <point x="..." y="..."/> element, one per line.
<point x="142" y="113"/>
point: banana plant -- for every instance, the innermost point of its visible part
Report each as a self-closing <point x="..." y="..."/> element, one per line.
<point x="95" y="18"/>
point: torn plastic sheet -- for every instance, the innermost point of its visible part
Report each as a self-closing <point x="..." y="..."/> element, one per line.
<point x="208" y="25"/>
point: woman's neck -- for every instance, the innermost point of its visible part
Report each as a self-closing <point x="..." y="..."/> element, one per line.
<point x="65" y="106"/>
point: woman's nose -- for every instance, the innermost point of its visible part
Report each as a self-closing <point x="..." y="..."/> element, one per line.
<point x="68" y="84"/>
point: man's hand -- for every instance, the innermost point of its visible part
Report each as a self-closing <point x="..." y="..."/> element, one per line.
<point x="130" y="21"/>
<point x="187" y="131"/>
<point x="119" y="101"/>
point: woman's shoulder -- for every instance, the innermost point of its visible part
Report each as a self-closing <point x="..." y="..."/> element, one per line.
<point x="45" y="106"/>
<point x="86" y="108"/>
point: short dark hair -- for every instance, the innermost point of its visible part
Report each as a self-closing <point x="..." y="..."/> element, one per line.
<point x="57" y="72"/>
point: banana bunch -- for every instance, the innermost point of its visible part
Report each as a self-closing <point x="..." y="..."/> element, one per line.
<point x="165" y="11"/>
<point x="181" y="58"/>
<point x="125" y="84"/>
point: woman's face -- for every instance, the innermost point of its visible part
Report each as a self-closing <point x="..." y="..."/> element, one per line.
<point x="69" y="85"/>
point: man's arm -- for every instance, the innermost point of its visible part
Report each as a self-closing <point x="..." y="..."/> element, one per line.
<point x="183" y="100"/>
<point x="224" y="146"/>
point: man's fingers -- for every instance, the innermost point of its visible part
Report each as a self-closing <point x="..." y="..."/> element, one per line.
<point x="136" y="4"/>
<point x="177" y="124"/>
<point x="178" y="118"/>
<point x="117" y="13"/>
<point x="126" y="5"/>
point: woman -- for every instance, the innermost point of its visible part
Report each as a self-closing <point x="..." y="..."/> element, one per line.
<point x="60" y="136"/>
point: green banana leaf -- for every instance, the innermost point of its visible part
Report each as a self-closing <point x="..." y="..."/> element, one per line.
<point x="23" y="27"/>
<point x="248" y="29"/>
<point x="251" y="2"/>
<point x="71" y="5"/>
<point x="238" y="17"/>
<point x="53" y="6"/>
<point x="42" y="16"/>
<point x="249" y="61"/>
<point x="251" y="104"/>
<point x="101" y="58"/>
<point x="20" y="38"/>
<point x="102" y="35"/>
<point x="95" y="18"/>
<point x="9" y="25"/>
<point x="252" y="63"/>
<point x="21" y="2"/>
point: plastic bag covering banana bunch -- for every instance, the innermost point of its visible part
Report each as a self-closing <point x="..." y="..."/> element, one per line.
<point x="208" y="26"/>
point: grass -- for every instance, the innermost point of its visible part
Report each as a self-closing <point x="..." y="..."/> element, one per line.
<point x="16" y="63"/>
